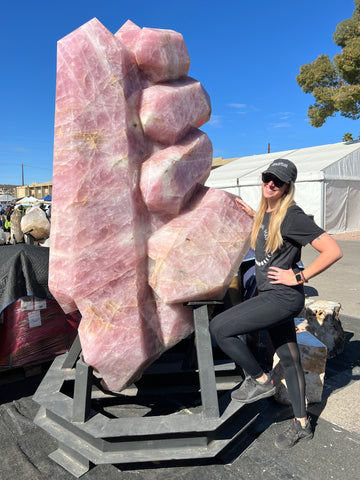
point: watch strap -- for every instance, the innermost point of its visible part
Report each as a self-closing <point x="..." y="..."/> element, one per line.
<point x="298" y="276"/>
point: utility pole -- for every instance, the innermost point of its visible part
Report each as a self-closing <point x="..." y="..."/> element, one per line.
<point x="22" y="174"/>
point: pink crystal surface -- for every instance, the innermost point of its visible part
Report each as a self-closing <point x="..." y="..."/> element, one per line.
<point x="170" y="176"/>
<point x="205" y="249"/>
<point x="168" y="111"/>
<point x="130" y="213"/>
<point x="162" y="54"/>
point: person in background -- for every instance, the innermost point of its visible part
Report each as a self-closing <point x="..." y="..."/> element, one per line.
<point x="22" y="210"/>
<point x="280" y="230"/>
<point x="7" y="223"/>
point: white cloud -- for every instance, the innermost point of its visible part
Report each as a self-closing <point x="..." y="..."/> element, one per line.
<point x="285" y="115"/>
<point x="238" y="105"/>
<point x="242" y="108"/>
<point x="280" y="125"/>
<point x="282" y="115"/>
<point x="215" y="121"/>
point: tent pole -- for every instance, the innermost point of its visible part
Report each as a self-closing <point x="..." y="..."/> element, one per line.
<point x="322" y="212"/>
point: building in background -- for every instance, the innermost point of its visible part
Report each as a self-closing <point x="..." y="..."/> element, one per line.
<point x="7" y="189"/>
<point x="220" y="161"/>
<point x="37" y="190"/>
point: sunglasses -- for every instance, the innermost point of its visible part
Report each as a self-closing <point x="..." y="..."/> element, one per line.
<point x="267" y="177"/>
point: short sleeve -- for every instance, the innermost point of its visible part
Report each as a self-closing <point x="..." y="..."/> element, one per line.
<point x="299" y="227"/>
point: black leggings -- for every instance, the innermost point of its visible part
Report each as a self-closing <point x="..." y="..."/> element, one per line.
<point x="264" y="312"/>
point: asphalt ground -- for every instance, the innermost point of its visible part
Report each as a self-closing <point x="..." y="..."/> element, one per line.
<point x="341" y="282"/>
<point x="334" y="452"/>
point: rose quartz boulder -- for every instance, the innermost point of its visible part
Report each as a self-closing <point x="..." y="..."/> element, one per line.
<point x="196" y="255"/>
<point x="168" y="111"/>
<point x="129" y="211"/>
<point x="162" y="55"/>
<point x="171" y="175"/>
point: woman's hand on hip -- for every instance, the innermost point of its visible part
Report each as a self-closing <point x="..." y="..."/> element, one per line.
<point x="285" y="277"/>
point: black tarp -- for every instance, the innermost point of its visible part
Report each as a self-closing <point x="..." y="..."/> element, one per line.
<point x="24" y="272"/>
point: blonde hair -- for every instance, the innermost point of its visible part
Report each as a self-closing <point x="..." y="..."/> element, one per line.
<point x="274" y="239"/>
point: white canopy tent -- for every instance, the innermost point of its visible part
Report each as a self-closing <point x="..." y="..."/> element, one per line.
<point x="28" y="200"/>
<point x="6" y="198"/>
<point x="327" y="186"/>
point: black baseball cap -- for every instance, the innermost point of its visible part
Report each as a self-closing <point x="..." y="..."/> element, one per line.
<point x="283" y="169"/>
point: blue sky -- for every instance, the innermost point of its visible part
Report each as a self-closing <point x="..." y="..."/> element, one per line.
<point x="246" y="55"/>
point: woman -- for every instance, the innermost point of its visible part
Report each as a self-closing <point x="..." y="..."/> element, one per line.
<point x="279" y="232"/>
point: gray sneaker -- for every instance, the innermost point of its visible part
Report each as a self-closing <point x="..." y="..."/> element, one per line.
<point x="251" y="390"/>
<point x="293" y="434"/>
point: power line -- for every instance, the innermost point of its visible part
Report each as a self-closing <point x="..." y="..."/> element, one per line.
<point x="25" y="165"/>
<point x="22" y="165"/>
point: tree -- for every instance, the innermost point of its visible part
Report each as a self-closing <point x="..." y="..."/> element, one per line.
<point x="335" y="84"/>
<point x="348" y="137"/>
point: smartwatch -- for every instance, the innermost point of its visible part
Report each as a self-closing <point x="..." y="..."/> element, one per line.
<point x="298" y="276"/>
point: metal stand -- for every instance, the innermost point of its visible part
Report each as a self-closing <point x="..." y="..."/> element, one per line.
<point x="85" y="435"/>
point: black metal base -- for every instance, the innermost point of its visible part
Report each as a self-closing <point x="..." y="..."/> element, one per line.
<point x="88" y="434"/>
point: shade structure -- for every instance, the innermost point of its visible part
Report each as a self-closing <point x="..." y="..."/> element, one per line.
<point x="6" y="198"/>
<point x="327" y="185"/>
<point x="27" y="200"/>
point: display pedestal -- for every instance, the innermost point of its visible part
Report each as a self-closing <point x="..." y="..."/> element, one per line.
<point x="70" y="413"/>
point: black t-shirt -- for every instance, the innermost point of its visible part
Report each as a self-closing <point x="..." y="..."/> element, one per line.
<point x="297" y="230"/>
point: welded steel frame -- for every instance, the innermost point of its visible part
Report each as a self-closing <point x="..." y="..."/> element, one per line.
<point x="86" y="437"/>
